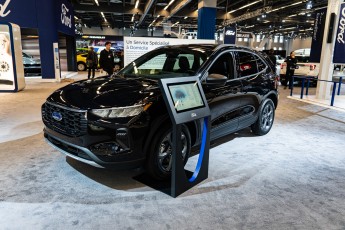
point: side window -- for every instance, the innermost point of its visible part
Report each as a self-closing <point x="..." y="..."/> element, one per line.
<point x="194" y="62"/>
<point x="224" y="65"/>
<point x="248" y="64"/>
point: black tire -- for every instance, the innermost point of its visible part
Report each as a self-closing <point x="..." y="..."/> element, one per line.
<point x="159" y="159"/>
<point x="81" y="66"/>
<point x="265" y="119"/>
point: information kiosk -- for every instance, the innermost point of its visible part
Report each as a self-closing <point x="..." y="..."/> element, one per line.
<point x="186" y="102"/>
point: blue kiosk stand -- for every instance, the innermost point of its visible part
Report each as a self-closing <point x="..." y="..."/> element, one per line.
<point x="186" y="102"/>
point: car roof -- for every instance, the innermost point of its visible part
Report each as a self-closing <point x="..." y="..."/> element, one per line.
<point x="208" y="48"/>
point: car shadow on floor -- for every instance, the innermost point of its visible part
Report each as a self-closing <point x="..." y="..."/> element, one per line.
<point x="136" y="180"/>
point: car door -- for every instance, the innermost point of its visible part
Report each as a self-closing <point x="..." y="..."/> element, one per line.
<point x="223" y="96"/>
<point x="254" y="74"/>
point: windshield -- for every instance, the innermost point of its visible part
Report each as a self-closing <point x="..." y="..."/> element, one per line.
<point x="166" y="63"/>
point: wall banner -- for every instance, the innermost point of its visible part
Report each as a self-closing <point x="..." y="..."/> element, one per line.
<point x="317" y="39"/>
<point x="22" y="13"/>
<point x="134" y="47"/>
<point x="339" y="46"/>
<point x="65" y="17"/>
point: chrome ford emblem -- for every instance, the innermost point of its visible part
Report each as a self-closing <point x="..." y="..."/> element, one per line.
<point x="57" y="116"/>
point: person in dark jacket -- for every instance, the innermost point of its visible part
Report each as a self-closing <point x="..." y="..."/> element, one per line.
<point x="272" y="57"/>
<point x="92" y="62"/>
<point x="106" y="60"/>
<point x="291" y="63"/>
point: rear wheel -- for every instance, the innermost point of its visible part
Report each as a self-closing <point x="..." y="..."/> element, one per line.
<point x="81" y="66"/>
<point x="266" y="117"/>
<point x="159" y="161"/>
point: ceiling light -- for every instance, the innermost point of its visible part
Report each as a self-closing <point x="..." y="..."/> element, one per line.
<point x="245" y="6"/>
<point x="136" y="4"/>
<point x="309" y="5"/>
<point x="96" y="1"/>
<point x="293" y="4"/>
<point x="185" y="17"/>
<point x="171" y="2"/>
<point x="76" y="18"/>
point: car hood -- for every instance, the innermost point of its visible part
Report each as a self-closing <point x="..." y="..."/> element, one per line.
<point x="104" y="92"/>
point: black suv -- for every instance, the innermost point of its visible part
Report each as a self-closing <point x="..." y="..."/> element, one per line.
<point x="122" y="121"/>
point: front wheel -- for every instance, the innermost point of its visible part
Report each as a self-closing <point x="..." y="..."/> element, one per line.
<point x="159" y="161"/>
<point x="266" y="117"/>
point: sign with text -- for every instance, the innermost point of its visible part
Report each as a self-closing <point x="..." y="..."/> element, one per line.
<point x="14" y="11"/>
<point x="230" y="35"/>
<point x="134" y="47"/>
<point x="339" y="46"/>
<point x="65" y="17"/>
<point x="317" y="39"/>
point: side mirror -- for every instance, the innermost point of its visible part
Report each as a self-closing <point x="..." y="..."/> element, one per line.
<point x="215" y="79"/>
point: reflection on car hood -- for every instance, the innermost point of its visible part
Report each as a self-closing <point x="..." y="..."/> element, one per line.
<point x="31" y="61"/>
<point x="102" y="93"/>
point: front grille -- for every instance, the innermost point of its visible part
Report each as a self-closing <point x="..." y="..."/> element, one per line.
<point x="73" y="122"/>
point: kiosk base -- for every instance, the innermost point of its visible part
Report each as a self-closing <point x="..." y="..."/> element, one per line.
<point x="162" y="186"/>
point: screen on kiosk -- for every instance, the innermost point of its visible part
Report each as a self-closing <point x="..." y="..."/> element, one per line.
<point x="186" y="96"/>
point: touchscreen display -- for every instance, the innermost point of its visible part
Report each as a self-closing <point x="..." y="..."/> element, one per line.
<point x="186" y="96"/>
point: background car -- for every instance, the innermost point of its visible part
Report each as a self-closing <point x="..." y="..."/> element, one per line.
<point x="82" y="55"/>
<point x="32" y="66"/>
<point x="304" y="68"/>
<point x="122" y="121"/>
<point x="279" y="59"/>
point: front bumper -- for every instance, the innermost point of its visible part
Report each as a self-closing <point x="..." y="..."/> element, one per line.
<point x="72" y="147"/>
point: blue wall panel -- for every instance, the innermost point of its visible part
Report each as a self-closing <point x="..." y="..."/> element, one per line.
<point x="206" y="22"/>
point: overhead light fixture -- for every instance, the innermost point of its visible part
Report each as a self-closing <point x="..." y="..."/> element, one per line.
<point x="245" y="6"/>
<point x="185" y="17"/>
<point x="136" y="4"/>
<point x="283" y="7"/>
<point x="96" y="1"/>
<point x="167" y="6"/>
<point x="175" y="24"/>
<point x="76" y="18"/>
<point x="103" y="17"/>
<point x="309" y="5"/>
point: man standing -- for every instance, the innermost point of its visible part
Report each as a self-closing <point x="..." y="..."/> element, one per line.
<point x="106" y="60"/>
<point x="272" y="57"/>
<point x="291" y="63"/>
<point x="92" y="62"/>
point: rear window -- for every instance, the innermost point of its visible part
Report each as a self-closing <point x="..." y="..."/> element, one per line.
<point x="302" y="59"/>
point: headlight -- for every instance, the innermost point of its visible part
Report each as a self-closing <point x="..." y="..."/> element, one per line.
<point x="129" y="111"/>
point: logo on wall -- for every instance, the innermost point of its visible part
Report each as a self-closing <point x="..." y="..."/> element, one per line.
<point x="230" y="32"/>
<point x="341" y="27"/>
<point x="339" y="46"/>
<point x="65" y="20"/>
<point x="3" y="8"/>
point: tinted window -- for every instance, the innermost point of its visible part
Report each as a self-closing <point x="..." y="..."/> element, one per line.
<point x="224" y="65"/>
<point x="248" y="64"/>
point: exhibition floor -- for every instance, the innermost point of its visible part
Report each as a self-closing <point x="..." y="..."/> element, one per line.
<point x="291" y="178"/>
